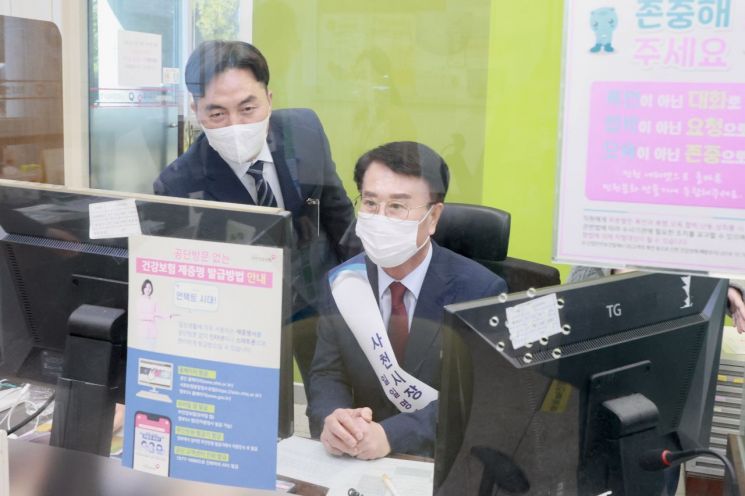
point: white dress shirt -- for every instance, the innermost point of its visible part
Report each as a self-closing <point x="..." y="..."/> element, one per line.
<point x="413" y="282"/>
<point x="269" y="173"/>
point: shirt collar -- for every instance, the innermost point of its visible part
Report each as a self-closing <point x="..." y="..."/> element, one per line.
<point x="240" y="170"/>
<point x="413" y="280"/>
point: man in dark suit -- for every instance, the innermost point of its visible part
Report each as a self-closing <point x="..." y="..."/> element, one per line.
<point x="249" y="154"/>
<point x="362" y="400"/>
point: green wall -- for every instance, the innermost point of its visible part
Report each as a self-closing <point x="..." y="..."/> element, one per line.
<point x="522" y="121"/>
<point x="477" y="80"/>
<point x="384" y="71"/>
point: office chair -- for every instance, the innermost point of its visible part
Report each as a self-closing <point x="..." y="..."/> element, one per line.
<point x="482" y="234"/>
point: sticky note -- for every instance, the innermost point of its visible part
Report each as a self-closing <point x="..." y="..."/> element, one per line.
<point x="114" y="219"/>
<point x="530" y="321"/>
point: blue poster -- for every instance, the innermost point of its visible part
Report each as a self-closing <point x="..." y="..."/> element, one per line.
<point x="203" y="361"/>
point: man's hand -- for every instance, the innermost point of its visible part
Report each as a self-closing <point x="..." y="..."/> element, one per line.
<point x="118" y="417"/>
<point x="374" y="443"/>
<point x="737" y="309"/>
<point x="344" y="429"/>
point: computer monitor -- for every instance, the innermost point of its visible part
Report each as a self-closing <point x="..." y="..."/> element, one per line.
<point x="51" y="268"/>
<point x="156" y="375"/>
<point x="619" y="367"/>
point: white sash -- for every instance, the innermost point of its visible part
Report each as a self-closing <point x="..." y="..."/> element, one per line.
<point x="359" y="308"/>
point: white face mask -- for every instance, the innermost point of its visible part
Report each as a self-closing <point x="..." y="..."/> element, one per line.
<point x="240" y="143"/>
<point x="388" y="243"/>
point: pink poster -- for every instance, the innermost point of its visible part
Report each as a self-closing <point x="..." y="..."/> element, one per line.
<point x="667" y="143"/>
<point x="652" y="142"/>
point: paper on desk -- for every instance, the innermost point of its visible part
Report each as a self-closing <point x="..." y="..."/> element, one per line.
<point x="535" y="319"/>
<point x="407" y="481"/>
<point x="307" y="460"/>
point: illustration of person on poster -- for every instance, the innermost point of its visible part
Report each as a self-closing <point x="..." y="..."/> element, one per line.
<point x="149" y="313"/>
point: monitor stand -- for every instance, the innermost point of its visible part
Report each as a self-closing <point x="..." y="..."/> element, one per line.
<point x="620" y="425"/>
<point x="91" y="380"/>
<point x="153" y="394"/>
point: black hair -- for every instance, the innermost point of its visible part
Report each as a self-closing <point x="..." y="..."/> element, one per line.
<point x="145" y="283"/>
<point x="214" y="57"/>
<point x="410" y="159"/>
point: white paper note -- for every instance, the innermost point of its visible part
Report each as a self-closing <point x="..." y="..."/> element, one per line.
<point x="114" y="219"/>
<point x="530" y="321"/>
<point x="140" y="59"/>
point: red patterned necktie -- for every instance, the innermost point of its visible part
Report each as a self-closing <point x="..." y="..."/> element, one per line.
<point x="398" y="326"/>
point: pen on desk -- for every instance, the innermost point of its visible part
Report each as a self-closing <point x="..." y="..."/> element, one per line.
<point x="389" y="485"/>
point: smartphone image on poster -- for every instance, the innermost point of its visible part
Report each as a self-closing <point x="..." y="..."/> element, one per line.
<point x="152" y="443"/>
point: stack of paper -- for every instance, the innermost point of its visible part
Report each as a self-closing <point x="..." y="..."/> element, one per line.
<point x="306" y="460"/>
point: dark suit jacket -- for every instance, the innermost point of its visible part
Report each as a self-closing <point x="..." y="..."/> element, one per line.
<point x="341" y="376"/>
<point x="311" y="189"/>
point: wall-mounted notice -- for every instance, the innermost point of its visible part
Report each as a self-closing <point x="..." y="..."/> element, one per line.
<point x="652" y="168"/>
<point x="202" y="389"/>
<point x="140" y="57"/>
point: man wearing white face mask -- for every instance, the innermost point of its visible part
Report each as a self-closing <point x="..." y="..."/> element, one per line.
<point x="376" y="370"/>
<point x="251" y="154"/>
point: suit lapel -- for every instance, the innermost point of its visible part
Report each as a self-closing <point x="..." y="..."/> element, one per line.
<point x="222" y="184"/>
<point x="428" y="315"/>
<point x="285" y="164"/>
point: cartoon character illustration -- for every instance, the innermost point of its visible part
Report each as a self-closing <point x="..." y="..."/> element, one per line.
<point x="604" y="22"/>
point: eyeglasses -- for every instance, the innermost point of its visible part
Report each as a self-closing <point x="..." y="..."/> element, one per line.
<point x="394" y="209"/>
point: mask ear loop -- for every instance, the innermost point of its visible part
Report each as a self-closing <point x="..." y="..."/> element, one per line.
<point x="429" y="210"/>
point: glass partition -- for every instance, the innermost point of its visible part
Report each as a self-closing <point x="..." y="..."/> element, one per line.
<point x="476" y="80"/>
<point x="134" y="112"/>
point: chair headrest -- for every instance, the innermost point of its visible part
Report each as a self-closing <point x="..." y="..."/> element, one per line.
<point x="474" y="231"/>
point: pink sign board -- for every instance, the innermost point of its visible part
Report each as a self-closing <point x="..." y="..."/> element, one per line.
<point x="198" y="272"/>
<point x="652" y="138"/>
<point x="667" y="143"/>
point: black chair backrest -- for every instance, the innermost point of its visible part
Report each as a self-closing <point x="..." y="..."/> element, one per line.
<point x="482" y="234"/>
<point x="474" y="231"/>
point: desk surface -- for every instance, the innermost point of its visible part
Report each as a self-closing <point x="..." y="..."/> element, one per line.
<point x="40" y="470"/>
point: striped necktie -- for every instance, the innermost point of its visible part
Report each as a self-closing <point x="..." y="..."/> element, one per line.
<point x="264" y="194"/>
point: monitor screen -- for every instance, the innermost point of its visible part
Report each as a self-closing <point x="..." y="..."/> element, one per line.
<point x="154" y="374"/>
<point x="561" y="391"/>
<point x="49" y="267"/>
